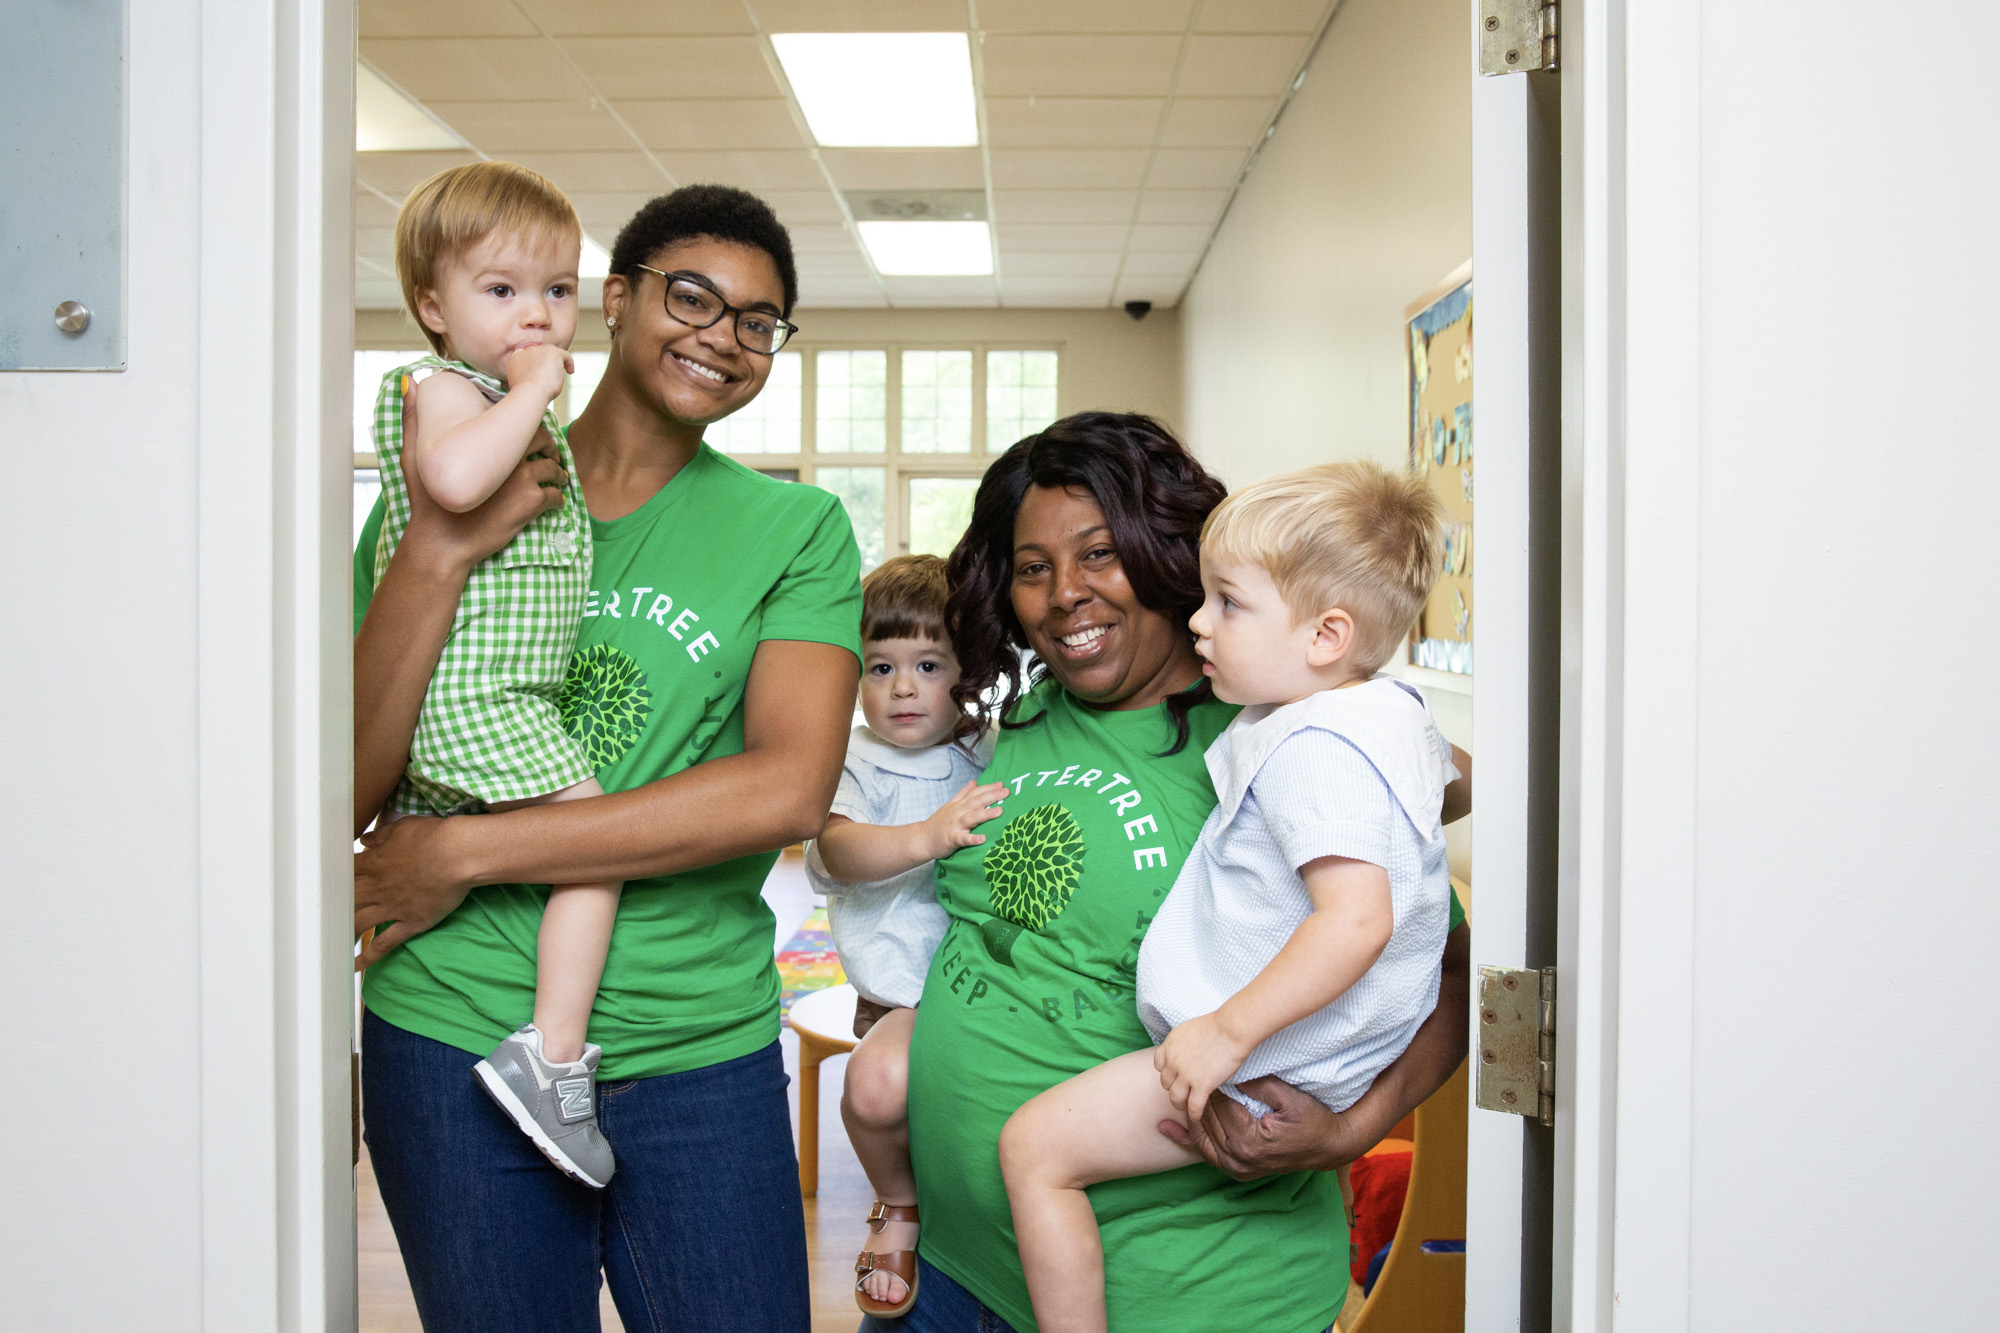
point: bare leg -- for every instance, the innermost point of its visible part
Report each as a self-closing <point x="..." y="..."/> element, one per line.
<point x="1100" y="1125"/>
<point x="874" y="1104"/>
<point x="570" y="949"/>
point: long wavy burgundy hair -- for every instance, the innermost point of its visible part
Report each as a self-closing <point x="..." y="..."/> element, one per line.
<point x="1155" y="497"/>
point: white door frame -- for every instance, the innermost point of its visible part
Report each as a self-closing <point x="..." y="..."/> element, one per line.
<point x="274" y="333"/>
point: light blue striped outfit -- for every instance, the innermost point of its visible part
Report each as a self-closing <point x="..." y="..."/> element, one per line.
<point x="1357" y="772"/>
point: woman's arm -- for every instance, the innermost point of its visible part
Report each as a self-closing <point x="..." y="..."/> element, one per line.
<point x="797" y="708"/>
<point x="410" y="616"/>
<point x="1300" y="1134"/>
<point x="1458" y="795"/>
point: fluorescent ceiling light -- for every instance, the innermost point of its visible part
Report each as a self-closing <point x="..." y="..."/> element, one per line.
<point x="882" y="89"/>
<point x="388" y="120"/>
<point x="596" y="263"/>
<point x="907" y="249"/>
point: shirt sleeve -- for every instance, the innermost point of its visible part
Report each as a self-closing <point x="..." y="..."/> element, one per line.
<point x="364" y="561"/>
<point x="1319" y="796"/>
<point x="852" y="797"/>
<point x="818" y="598"/>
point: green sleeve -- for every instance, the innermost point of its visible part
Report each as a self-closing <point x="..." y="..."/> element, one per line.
<point x="818" y="598"/>
<point x="364" y="562"/>
<point x="1457" y="912"/>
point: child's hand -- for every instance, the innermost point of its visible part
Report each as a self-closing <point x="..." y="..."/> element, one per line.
<point x="1197" y="1057"/>
<point x="951" y="827"/>
<point x="539" y="368"/>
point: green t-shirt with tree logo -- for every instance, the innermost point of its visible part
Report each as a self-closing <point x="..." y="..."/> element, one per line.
<point x="682" y="591"/>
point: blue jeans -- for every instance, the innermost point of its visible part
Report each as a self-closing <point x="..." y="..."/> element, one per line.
<point x="701" y="1229"/>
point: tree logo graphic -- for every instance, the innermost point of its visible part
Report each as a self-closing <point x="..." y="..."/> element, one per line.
<point x="604" y="703"/>
<point x="1031" y="873"/>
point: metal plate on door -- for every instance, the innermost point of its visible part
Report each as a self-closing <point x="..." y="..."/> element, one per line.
<point x="1515" y="1042"/>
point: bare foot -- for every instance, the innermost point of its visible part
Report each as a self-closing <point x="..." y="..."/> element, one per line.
<point x="884" y="1286"/>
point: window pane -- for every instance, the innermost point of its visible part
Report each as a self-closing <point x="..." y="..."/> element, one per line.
<point x="937" y="402"/>
<point x="583" y="383"/>
<point x="369" y="368"/>
<point x="860" y="491"/>
<point x="1020" y="396"/>
<point x="771" y="423"/>
<point x="940" y="511"/>
<point x="853" y="402"/>
<point x="367" y="485"/>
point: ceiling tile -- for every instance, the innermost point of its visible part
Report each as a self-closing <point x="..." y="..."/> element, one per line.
<point x="1064" y="205"/>
<point x="370" y="211"/>
<point x="375" y="242"/>
<point x="905" y="168"/>
<point x="825" y="265"/>
<point x="941" y="291"/>
<point x="1072" y="293"/>
<point x="794" y="207"/>
<point x="642" y="68"/>
<point x="1168" y="237"/>
<point x="610" y="18"/>
<point x="1263" y="16"/>
<point x="764" y="122"/>
<point x="596" y="172"/>
<point x="500" y="128"/>
<point x="835" y="294"/>
<point x="1177" y="265"/>
<point x="611" y="209"/>
<point x="1164" y="293"/>
<point x="1081" y="168"/>
<point x="1241" y="66"/>
<point x="1182" y="205"/>
<point x="1058" y="239"/>
<point x="372" y="292"/>
<point x="1084" y="15"/>
<point x="1121" y="66"/>
<point x="473" y="69"/>
<point x="1217" y="122"/>
<point x="396" y="174"/>
<point x="1102" y="264"/>
<point x="1196" y="168"/>
<point x="749" y="171"/>
<point x="821" y="238"/>
<point x="1072" y="122"/>
<point x="861" y="15"/>
<point x="442" y="18"/>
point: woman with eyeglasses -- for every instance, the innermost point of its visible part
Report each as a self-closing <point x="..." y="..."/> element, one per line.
<point x="713" y="685"/>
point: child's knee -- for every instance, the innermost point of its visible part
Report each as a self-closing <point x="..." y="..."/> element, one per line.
<point x="1023" y="1146"/>
<point x="876" y="1091"/>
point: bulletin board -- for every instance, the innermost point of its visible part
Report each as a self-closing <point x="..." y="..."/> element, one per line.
<point x="1438" y="347"/>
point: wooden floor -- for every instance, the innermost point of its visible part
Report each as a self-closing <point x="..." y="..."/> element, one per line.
<point x="834" y="1225"/>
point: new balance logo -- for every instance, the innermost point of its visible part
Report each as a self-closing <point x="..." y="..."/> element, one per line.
<point x="575" y="1095"/>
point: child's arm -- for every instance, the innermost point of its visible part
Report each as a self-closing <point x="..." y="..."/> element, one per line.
<point x="465" y="447"/>
<point x="1349" y="926"/>
<point x="865" y="853"/>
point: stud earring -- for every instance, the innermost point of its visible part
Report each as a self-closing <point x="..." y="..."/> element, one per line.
<point x="611" y="324"/>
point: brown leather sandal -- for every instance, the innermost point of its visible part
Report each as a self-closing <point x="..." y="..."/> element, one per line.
<point x="899" y="1263"/>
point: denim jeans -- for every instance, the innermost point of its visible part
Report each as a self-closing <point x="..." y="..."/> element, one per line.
<point x="701" y="1229"/>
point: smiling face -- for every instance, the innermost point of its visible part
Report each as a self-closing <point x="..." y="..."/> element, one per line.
<point x="906" y="691"/>
<point x="692" y="376"/>
<point x="504" y="293"/>
<point x="1080" y="613"/>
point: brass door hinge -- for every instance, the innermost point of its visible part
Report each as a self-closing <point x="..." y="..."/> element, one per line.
<point x="1516" y="36"/>
<point x="1517" y="1042"/>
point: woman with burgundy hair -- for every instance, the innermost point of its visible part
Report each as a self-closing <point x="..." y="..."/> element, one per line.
<point x="1083" y="551"/>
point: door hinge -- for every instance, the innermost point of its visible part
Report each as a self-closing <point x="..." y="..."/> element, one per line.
<point x="1516" y="36"/>
<point x="1517" y="1041"/>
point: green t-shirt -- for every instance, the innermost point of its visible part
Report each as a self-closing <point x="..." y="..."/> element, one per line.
<point x="682" y="591"/>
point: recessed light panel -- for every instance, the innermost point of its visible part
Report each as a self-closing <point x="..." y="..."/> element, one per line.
<point x="386" y="120"/>
<point x="929" y="249"/>
<point x="882" y="89"/>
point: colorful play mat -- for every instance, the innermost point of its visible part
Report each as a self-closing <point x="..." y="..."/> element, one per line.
<point x="808" y="962"/>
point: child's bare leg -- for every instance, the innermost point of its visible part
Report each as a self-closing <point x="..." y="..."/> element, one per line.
<point x="570" y="948"/>
<point x="874" y="1104"/>
<point x="1100" y="1125"/>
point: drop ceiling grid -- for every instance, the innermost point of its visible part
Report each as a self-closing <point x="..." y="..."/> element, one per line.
<point x="1105" y="174"/>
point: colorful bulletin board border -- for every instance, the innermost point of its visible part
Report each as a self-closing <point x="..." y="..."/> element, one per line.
<point x="1437" y="346"/>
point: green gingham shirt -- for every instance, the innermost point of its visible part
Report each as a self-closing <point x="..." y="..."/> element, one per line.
<point x="490" y="730"/>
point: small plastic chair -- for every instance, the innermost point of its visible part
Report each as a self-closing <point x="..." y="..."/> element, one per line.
<point x="824" y="1020"/>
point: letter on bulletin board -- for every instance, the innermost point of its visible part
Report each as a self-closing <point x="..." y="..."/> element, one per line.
<point x="1438" y="343"/>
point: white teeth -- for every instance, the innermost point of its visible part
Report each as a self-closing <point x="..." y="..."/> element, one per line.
<point x="700" y="369"/>
<point x="1083" y="638"/>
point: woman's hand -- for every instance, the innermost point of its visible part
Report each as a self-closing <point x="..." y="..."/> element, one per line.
<point x="404" y="876"/>
<point x="1197" y="1057"/>
<point x="1299" y="1134"/>
<point x="463" y="540"/>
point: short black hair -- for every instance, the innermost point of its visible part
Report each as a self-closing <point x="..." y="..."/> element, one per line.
<point x="721" y="212"/>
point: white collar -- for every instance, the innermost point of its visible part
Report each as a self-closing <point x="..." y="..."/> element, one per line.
<point x="933" y="761"/>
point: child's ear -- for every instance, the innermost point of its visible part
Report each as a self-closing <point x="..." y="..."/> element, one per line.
<point x="429" y="311"/>
<point x="1333" y="636"/>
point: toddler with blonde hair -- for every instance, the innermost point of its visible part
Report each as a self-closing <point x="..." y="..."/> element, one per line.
<point x="1303" y="937"/>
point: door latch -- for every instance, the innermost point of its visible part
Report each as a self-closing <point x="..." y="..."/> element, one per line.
<point x="1516" y="36"/>
<point x="1517" y="1042"/>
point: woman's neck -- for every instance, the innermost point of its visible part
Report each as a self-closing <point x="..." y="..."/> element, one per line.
<point x="1181" y="669"/>
<point x="625" y="450"/>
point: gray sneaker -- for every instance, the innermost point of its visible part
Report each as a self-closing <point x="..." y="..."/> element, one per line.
<point x="554" y="1104"/>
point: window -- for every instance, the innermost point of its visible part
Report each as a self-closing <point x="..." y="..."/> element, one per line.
<point x="853" y="402"/>
<point x="1020" y="395"/>
<point x="583" y="382"/>
<point x="937" y="402"/>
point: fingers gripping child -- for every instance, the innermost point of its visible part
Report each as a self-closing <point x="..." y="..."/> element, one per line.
<point x="1325" y="852"/>
<point x="488" y="257"/>
<point x="909" y="794"/>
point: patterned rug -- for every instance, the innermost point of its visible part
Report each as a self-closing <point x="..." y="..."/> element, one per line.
<point x="808" y="962"/>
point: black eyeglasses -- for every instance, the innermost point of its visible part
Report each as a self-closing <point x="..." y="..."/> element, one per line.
<point x="693" y="302"/>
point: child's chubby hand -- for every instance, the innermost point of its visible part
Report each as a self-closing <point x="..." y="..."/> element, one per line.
<point x="1197" y="1057"/>
<point x="539" y="368"/>
<point x="951" y="827"/>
